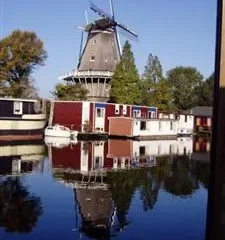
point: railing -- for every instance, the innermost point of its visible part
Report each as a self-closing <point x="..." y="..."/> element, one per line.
<point x="76" y="73"/>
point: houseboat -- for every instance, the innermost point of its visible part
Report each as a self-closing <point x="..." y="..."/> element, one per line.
<point x="21" y="119"/>
<point x="119" y="120"/>
<point x="202" y="118"/>
<point x="158" y="128"/>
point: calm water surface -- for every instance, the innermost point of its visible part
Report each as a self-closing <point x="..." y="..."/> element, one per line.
<point x="103" y="190"/>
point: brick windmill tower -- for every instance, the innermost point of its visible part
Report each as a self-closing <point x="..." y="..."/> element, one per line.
<point x="99" y="55"/>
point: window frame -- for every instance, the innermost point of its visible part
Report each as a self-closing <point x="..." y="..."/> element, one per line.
<point x="17" y="110"/>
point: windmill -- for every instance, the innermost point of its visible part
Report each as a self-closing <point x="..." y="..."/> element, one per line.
<point x="100" y="54"/>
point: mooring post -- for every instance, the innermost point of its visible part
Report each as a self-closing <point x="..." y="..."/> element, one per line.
<point x="215" y="226"/>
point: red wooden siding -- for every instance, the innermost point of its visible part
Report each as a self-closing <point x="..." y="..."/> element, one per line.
<point x="121" y="126"/>
<point x="108" y="162"/>
<point x="66" y="157"/>
<point x="110" y="112"/>
<point x="120" y="148"/>
<point x="68" y="114"/>
<point x="144" y="112"/>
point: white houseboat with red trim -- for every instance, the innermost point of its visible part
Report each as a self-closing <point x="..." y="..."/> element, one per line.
<point x="21" y="119"/>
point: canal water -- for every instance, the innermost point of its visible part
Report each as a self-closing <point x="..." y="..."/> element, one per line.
<point x="116" y="189"/>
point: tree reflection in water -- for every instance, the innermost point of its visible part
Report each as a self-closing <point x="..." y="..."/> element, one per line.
<point x="104" y="212"/>
<point x="19" y="210"/>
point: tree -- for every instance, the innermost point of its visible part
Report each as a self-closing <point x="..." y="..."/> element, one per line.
<point x="183" y="82"/>
<point x="205" y="92"/>
<point x="125" y="83"/>
<point x="72" y="92"/>
<point x="155" y="88"/>
<point x="163" y="96"/>
<point x="20" y="54"/>
<point x="153" y="69"/>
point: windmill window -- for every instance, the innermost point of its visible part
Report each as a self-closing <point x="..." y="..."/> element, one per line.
<point x="94" y="42"/>
<point x="92" y="58"/>
<point x="106" y="59"/>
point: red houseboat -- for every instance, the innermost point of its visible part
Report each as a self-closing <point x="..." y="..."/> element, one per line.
<point x="93" y="116"/>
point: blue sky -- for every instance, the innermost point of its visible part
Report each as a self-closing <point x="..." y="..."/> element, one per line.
<point x="179" y="32"/>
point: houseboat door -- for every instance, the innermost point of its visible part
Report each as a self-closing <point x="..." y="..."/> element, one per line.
<point x="100" y="118"/>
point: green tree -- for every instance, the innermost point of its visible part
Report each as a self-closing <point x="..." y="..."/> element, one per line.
<point x="20" y="54"/>
<point x="183" y="82"/>
<point x="125" y="84"/>
<point x="205" y="92"/>
<point x="72" y="92"/>
<point x="155" y="88"/>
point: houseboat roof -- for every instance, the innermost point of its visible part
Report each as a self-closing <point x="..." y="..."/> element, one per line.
<point x="106" y="103"/>
<point x="200" y="111"/>
<point x="19" y="99"/>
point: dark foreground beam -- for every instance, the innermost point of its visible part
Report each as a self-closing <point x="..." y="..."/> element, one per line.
<point x="215" y="229"/>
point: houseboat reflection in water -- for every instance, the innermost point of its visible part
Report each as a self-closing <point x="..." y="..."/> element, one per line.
<point x="104" y="188"/>
<point x="21" y="157"/>
<point x="19" y="208"/>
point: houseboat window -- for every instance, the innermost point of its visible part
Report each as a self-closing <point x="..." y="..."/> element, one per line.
<point x="142" y="150"/>
<point x="171" y="125"/>
<point x="143" y="125"/>
<point x="124" y="109"/>
<point x="98" y="162"/>
<point x="117" y="109"/>
<point x="185" y="119"/>
<point x="185" y="151"/>
<point x="136" y="113"/>
<point x="170" y="151"/>
<point x="151" y="114"/>
<point x="92" y="58"/>
<point x="100" y="112"/>
<point x="18" y="108"/>
<point x="160" y="126"/>
<point x="198" y="121"/>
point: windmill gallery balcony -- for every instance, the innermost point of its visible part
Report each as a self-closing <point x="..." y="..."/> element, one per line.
<point x="96" y="82"/>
